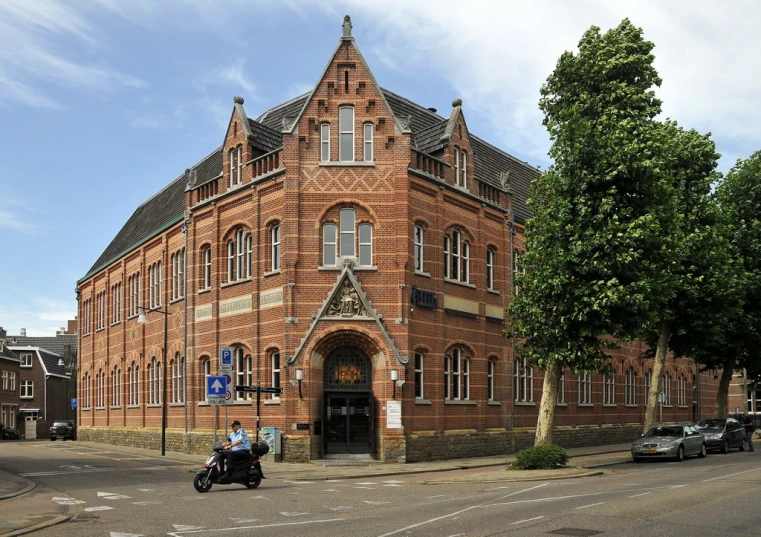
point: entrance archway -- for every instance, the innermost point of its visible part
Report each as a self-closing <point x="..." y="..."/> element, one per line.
<point x="348" y="402"/>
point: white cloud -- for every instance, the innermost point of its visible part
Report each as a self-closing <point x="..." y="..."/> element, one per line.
<point x="16" y="221"/>
<point x="233" y="73"/>
<point x="40" y="316"/>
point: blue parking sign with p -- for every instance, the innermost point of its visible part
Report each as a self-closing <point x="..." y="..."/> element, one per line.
<point x="225" y="357"/>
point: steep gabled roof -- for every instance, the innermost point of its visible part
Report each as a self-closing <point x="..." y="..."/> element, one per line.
<point x="429" y="140"/>
<point x="273" y="118"/>
<point x="48" y="360"/>
<point x="55" y="344"/>
<point x="264" y="138"/>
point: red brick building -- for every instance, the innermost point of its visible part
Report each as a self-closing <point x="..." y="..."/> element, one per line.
<point x="340" y="240"/>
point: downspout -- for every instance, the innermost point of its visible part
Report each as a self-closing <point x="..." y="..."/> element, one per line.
<point x="185" y="323"/>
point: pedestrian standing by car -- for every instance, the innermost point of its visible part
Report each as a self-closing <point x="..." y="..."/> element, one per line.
<point x="750" y="428"/>
<point x="237" y="446"/>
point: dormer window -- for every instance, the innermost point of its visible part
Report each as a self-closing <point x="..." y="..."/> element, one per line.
<point x="236" y="166"/>
<point x="464" y="182"/>
<point x="346" y="134"/>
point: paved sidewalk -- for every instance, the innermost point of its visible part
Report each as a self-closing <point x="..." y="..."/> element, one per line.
<point x="25" y="508"/>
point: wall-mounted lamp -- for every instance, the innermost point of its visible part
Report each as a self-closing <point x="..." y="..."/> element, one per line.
<point x="298" y="380"/>
<point x="394" y="378"/>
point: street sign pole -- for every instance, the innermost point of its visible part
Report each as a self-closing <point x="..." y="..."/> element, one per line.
<point x="258" y="399"/>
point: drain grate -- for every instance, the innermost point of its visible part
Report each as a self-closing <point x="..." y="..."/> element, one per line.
<point x="74" y="521"/>
<point x="574" y="532"/>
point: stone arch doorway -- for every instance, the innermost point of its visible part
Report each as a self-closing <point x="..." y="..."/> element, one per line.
<point x="348" y="402"/>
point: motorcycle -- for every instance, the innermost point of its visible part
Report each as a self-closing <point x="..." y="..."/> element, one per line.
<point x="246" y="471"/>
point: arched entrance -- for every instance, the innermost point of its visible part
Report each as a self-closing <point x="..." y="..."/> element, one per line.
<point x="348" y="402"/>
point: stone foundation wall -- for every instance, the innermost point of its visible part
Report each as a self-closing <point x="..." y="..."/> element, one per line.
<point x="296" y="448"/>
<point x="393" y="449"/>
<point x="193" y="443"/>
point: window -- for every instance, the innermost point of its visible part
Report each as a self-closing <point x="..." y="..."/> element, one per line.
<point x="116" y="387"/>
<point x="609" y="388"/>
<point x="26" y="359"/>
<point x="457" y="376"/>
<point x="178" y="274"/>
<point x="490" y="269"/>
<point x="133" y="374"/>
<point x="100" y="389"/>
<point x="523" y="379"/>
<point x="419" y="391"/>
<point x="490" y="380"/>
<point x="116" y="303"/>
<point x="243" y="373"/>
<point x="666" y="388"/>
<point x="325" y="142"/>
<point x="206" y="278"/>
<point x="347" y="232"/>
<point x="585" y="388"/>
<point x="516" y="270"/>
<point x="561" y="387"/>
<point x="365" y="245"/>
<point x="27" y="389"/>
<point x="275" y="362"/>
<point x="456" y="257"/>
<point x="239" y="256"/>
<point x="154" y="382"/>
<point x="177" y="367"/>
<point x="206" y="371"/>
<point x="329" y="245"/>
<point x="368" y="142"/>
<point x="134" y="294"/>
<point x="346" y="134"/>
<point x="630" y="385"/>
<point x="456" y="166"/>
<point x="418" y="248"/>
<point x="236" y="165"/>
<point x="8" y="416"/>
<point x="681" y="390"/>
<point x="13" y="381"/>
<point x="5" y="381"/>
<point x="275" y="249"/>
<point x="100" y="301"/>
<point x="154" y="285"/>
<point x="464" y="182"/>
<point x="86" y="390"/>
<point x="86" y="304"/>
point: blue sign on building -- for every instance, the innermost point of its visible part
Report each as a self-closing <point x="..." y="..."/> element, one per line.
<point x="225" y="357"/>
<point x="73" y="402"/>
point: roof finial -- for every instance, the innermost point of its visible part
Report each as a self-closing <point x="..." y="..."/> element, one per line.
<point x="238" y="100"/>
<point x="347" y="26"/>
<point x="457" y="102"/>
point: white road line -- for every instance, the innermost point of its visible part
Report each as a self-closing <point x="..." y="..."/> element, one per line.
<point x="400" y="530"/>
<point x="98" y="508"/>
<point x="220" y="531"/>
<point x="590" y="505"/>
<point x="730" y="475"/>
<point x="527" y="520"/>
<point x="638" y="495"/>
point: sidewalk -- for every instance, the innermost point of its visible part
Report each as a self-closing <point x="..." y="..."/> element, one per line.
<point x="25" y="508"/>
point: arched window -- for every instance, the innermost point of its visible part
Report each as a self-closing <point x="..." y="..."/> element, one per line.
<point x="666" y="388"/>
<point x="275" y="247"/>
<point x="523" y="381"/>
<point x="116" y="387"/>
<point x="561" y="387"/>
<point x="275" y="372"/>
<point x="490" y="268"/>
<point x="239" y="256"/>
<point x="456" y="257"/>
<point x="456" y="375"/>
<point x="177" y="366"/>
<point x="585" y="388"/>
<point x="368" y="142"/>
<point x="609" y="388"/>
<point x="490" y="380"/>
<point x="243" y="373"/>
<point x="681" y="390"/>
<point x="206" y="268"/>
<point x="365" y="245"/>
<point x="419" y="376"/>
<point x="346" y="134"/>
<point x="630" y="389"/>
<point x="154" y="382"/>
<point x="648" y="379"/>
<point x="418" y="240"/>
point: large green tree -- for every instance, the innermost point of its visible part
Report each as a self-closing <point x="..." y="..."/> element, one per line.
<point x="603" y="213"/>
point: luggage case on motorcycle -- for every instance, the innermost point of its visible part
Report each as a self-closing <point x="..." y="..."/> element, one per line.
<point x="260" y="448"/>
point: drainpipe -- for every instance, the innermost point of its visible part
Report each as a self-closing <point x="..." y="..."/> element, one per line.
<point x="185" y="323"/>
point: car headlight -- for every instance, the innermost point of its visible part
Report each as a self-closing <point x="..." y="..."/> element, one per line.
<point x="713" y="436"/>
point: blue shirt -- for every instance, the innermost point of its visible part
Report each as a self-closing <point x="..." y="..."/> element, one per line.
<point x="241" y="435"/>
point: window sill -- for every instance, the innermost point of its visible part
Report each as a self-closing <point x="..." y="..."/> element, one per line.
<point x="271" y="273"/>
<point x="423" y="402"/>
<point x="493" y="291"/>
<point x="236" y="282"/>
<point x="683" y="406"/>
<point x="179" y="299"/>
<point x="26" y="367"/>
<point x="585" y="404"/>
<point x="458" y="282"/>
<point x="525" y="403"/>
<point x="154" y="405"/>
<point x="117" y="407"/>
<point x="561" y="404"/>
<point x="493" y="403"/>
<point x="272" y="401"/>
<point x="115" y="323"/>
<point x="26" y="397"/>
<point x="133" y="406"/>
<point x="609" y="405"/>
<point x="366" y="268"/>
<point x="177" y="404"/>
<point x="467" y="402"/>
<point x="100" y="329"/>
<point x="630" y="406"/>
<point x="668" y="406"/>
<point x="356" y="163"/>
<point x="423" y="274"/>
<point x="205" y="290"/>
<point x="100" y="408"/>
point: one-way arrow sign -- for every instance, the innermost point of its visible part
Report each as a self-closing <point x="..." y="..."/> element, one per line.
<point x="216" y="387"/>
<point x="260" y="389"/>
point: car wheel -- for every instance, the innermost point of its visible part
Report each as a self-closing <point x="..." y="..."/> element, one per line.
<point x="742" y="445"/>
<point x="680" y="454"/>
<point x="725" y="446"/>
<point x="703" y="451"/>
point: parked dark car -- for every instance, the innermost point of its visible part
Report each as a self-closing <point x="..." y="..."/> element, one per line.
<point x="673" y="441"/>
<point x="722" y="433"/>
<point x="63" y="429"/>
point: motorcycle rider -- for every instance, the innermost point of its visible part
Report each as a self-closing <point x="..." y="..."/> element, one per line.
<point x="236" y="448"/>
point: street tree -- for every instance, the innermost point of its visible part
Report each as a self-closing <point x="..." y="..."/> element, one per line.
<point x="603" y="213"/>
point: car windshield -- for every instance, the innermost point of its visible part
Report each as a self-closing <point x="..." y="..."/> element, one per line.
<point x="711" y="424"/>
<point x="664" y="431"/>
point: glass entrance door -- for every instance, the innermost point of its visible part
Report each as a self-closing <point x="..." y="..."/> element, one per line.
<point x="348" y="423"/>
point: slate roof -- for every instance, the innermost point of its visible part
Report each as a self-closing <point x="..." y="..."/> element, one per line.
<point x="55" y="344"/>
<point x="49" y="359"/>
<point x="7" y="354"/>
<point x="167" y="207"/>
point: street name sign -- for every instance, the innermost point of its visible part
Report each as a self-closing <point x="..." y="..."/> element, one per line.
<point x="260" y="389"/>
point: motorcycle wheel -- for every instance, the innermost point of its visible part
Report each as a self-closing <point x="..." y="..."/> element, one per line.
<point x="202" y="482"/>
<point x="253" y="481"/>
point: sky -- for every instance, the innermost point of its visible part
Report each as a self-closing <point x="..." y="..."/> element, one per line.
<point x="105" y="102"/>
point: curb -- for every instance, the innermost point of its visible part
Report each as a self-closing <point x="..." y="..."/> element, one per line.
<point x="14" y="494"/>
<point x="36" y="527"/>
<point x="551" y="478"/>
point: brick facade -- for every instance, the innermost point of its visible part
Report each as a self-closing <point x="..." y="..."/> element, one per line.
<point x="306" y="312"/>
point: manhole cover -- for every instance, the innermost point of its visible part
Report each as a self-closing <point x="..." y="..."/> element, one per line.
<point x="574" y="532"/>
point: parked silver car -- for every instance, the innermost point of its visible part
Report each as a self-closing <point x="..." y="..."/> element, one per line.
<point x="722" y="433"/>
<point x="674" y="441"/>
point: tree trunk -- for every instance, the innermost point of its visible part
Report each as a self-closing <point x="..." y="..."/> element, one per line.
<point x="546" y="419"/>
<point x="720" y="411"/>
<point x="664" y="331"/>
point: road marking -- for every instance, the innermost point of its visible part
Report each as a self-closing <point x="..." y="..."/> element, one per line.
<point x="152" y="502"/>
<point x="117" y="497"/>
<point x="456" y="513"/>
<point x="730" y="475"/>
<point x="101" y="494"/>
<point x="220" y="531"/>
<point x="368" y="488"/>
<point x="183" y="527"/>
<point x="98" y="508"/>
<point x="393" y="481"/>
<point x="243" y="520"/>
<point x="114" y="534"/>
<point x="638" y="495"/>
<point x="289" y="513"/>
<point x="367" y="483"/>
<point x="339" y="508"/>
<point x="375" y="503"/>
<point x="527" y="520"/>
<point x="590" y="505"/>
<point x="66" y="501"/>
<point x="329" y="490"/>
<point x="147" y="490"/>
<point x="391" y="485"/>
